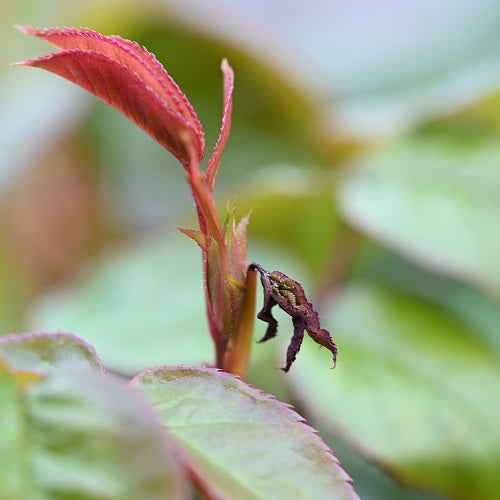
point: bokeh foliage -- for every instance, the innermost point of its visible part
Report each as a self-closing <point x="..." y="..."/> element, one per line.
<point x="382" y="196"/>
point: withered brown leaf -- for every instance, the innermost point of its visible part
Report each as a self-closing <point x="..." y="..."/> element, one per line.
<point x="289" y="295"/>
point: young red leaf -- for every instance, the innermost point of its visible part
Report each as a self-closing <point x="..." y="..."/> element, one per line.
<point x="128" y="78"/>
<point x="197" y="236"/>
<point x="213" y="163"/>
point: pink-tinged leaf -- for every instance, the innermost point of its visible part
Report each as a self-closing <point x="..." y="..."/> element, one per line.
<point x="240" y="442"/>
<point x="131" y="55"/>
<point x="128" y="78"/>
<point x="213" y="163"/>
<point x="235" y="236"/>
<point x="44" y="352"/>
<point x="195" y="235"/>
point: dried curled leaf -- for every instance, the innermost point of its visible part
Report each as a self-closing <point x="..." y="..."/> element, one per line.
<point x="289" y="295"/>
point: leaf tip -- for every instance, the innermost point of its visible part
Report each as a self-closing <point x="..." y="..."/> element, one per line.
<point x="24" y="28"/>
<point x="225" y="66"/>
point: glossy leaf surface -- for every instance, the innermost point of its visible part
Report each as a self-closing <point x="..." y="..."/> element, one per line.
<point x="239" y="441"/>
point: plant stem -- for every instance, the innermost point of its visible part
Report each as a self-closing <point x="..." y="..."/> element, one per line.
<point x="237" y="358"/>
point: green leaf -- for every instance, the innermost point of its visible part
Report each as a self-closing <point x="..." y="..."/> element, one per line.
<point x="88" y="437"/>
<point x="241" y="442"/>
<point x="436" y="202"/>
<point x="466" y="303"/>
<point x="13" y="466"/>
<point x="43" y="352"/>
<point x="134" y="304"/>
<point x="413" y="388"/>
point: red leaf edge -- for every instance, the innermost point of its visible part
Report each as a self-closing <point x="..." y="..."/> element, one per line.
<point x="136" y="61"/>
<point x="228" y="87"/>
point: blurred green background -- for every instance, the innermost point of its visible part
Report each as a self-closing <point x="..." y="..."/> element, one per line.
<point x="366" y="143"/>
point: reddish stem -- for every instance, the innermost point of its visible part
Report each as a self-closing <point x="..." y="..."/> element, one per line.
<point x="214" y="234"/>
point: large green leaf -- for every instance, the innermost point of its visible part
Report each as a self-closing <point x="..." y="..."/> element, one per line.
<point x="240" y="442"/>
<point x="43" y="352"/>
<point x="13" y="466"/>
<point x="436" y="202"/>
<point x="82" y="437"/>
<point x="468" y="304"/>
<point x="414" y="389"/>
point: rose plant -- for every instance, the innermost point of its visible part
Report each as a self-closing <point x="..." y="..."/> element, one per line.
<point x="76" y="431"/>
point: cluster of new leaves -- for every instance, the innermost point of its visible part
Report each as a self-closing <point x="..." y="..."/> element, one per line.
<point x="219" y="435"/>
<point x="129" y="78"/>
